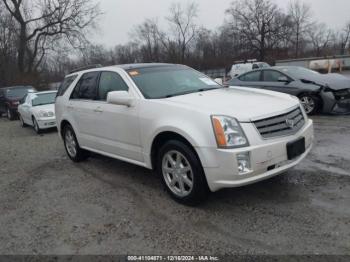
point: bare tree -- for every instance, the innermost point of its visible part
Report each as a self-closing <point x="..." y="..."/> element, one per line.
<point x="183" y="26"/>
<point x="320" y="37"/>
<point x="259" y="23"/>
<point x="148" y="35"/>
<point x="43" y="21"/>
<point x="300" y="15"/>
<point x="8" y="38"/>
<point x="344" y="39"/>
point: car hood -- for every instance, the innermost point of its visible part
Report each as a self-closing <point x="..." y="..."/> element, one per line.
<point x="50" y="107"/>
<point x="245" y="104"/>
<point x="333" y="81"/>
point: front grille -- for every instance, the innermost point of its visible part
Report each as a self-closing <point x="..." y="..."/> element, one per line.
<point x="281" y="125"/>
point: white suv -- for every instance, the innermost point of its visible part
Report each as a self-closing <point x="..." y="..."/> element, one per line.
<point x="196" y="134"/>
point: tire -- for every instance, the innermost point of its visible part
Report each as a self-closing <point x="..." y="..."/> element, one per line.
<point x="182" y="174"/>
<point x="312" y="104"/>
<point x="36" y="126"/>
<point x="10" y="115"/>
<point x="74" y="152"/>
<point x="22" y="122"/>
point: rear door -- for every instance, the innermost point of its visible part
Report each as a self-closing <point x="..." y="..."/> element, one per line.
<point x="81" y="107"/>
<point x="271" y="81"/>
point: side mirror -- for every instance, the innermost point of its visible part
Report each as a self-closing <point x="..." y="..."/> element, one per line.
<point x="122" y="98"/>
<point x="283" y="79"/>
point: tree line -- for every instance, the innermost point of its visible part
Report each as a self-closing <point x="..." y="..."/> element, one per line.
<point x="41" y="40"/>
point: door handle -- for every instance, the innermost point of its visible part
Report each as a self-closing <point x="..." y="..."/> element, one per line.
<point x="98" y="110"/>
<point x="70" y="107"/>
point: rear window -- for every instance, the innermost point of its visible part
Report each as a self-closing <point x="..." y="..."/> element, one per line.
<point x="65" y="84"/>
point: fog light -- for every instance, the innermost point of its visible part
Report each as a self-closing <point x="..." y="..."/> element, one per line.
<point x="243" y="161"/>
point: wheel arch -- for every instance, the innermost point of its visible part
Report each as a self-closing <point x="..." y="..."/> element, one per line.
<point x="312" y="93"/>
<point x="162" y="137"/>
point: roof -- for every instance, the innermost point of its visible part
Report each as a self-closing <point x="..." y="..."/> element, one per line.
<point x="123" y="66"/>
<point x="143" y="65"/>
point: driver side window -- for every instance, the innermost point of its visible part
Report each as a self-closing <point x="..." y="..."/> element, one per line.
<point x="110" y="81"/>
<point x="250" y="77"/>
<point x="272" y="76"/>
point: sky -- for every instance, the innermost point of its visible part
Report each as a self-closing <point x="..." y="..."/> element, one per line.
<point x="121" y="16"/>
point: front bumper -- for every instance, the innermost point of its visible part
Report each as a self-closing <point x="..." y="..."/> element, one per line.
<point x="342" y="107"/>
<point x="47" y="122"/>
<point x="268" y="158"/>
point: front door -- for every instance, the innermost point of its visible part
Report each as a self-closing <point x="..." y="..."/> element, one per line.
<point x="271" y="81"/>
<point x="116" y="127"/>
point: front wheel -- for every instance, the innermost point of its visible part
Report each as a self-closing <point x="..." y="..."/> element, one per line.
<point x="182" y="173"/>
<point x="311" y="104"/>
<point x="10" y="115"/>
<point x="72" y="147"/>
<point x="36" y="126"/>
<point x="23" y="124"/>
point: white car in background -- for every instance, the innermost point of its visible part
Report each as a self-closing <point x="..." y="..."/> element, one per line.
<point x="38" y="110"/>
<point x="196" y="134"/>
<point x="239" y="69"/>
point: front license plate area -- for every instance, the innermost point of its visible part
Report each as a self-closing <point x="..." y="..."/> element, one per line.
<point x="296" y="148"/>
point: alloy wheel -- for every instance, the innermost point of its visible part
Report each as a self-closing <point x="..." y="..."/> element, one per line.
<point x="70" y="143"/>
<point x="177" y="173"/>
<point x="36" y="126"/>
<point x="308" y="104"/>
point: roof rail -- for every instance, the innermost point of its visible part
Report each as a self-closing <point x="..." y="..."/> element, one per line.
<point x="85" y="68"/>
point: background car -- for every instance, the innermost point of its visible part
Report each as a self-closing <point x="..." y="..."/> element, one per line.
<point x="10" y="98"/>
<point x="238" y="69"/>
<point x="327" y="93"/>
<point x="38" y="110"/>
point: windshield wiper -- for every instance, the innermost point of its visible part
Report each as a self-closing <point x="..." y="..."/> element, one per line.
<point x="192" y="91"/>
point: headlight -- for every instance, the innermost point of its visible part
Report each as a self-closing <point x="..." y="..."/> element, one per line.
<point x="46" y="114"/>
<point x="228" y="132"/>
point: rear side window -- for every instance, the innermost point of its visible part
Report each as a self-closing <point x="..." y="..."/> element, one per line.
<point x="251" y="77"/>
<point x="110" y="81"/>
<point x="86" y="88"/>
<point x="65" y="84"/>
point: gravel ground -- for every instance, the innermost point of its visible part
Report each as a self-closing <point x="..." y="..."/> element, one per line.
<point x="49" y="205"/>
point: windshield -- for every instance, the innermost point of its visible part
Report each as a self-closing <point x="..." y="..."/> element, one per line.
<point x="17" y="92"/>
<point x="43" y="99"/>
<point x="300" y="72"/>
<point x="168" y="81"/>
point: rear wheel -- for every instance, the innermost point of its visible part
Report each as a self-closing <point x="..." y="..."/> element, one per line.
<point x="182" y="173"/>
<point x="72" y="147"/>
<point x="311" y="104"/>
